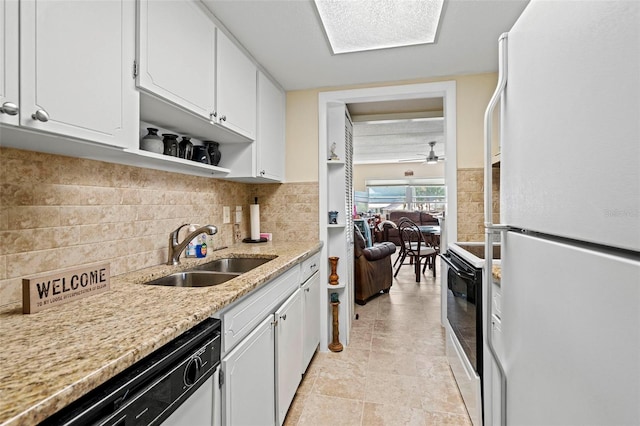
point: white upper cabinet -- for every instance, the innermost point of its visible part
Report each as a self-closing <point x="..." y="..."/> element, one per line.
<point x="263" y="160"/>
<point x="177" y="58"/>
<point x="9" y="77"/>
<point x="76" y="69"/>
<point x="184" y="60"/>
<point x="235" y="88"/>
<point x="270" y="137"/>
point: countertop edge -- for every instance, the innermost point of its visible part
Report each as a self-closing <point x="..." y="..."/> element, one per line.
<point x="47" y="406"/>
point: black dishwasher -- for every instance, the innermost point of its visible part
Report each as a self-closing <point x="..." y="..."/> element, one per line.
<point x="150" y="390"/>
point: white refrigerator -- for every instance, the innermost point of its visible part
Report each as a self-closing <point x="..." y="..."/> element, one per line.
<point x="567" y="337"/>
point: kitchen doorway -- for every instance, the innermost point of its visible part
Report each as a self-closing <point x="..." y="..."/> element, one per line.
<point x="328" y="100"/>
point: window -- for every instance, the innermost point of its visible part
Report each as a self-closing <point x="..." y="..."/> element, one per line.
<point x="419" y="194"/>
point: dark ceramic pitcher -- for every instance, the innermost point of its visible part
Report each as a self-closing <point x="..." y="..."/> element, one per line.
<point x="186" y="148"/>
<point x="170" y="144"/>
<point x="200" y="154"/>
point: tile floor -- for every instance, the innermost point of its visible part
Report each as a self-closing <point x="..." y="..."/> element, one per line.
<point x="394" y="371"/>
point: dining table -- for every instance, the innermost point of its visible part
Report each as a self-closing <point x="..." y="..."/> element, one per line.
<point x="431" y="234"/>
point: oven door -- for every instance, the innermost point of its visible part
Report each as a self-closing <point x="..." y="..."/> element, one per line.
<point x="462" y="331"/>
<point x="464" y="284"/>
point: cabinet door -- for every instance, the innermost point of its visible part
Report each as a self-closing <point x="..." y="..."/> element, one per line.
<point x="177" y="54"/>
<point x="270" y="135"/>
<point x="9" y="78"/>
<point x="288" y="352"/>
<point x="311" y="323"/>
<point x="248" y="390"/>
<point x="235" y="88"/>
<point x="76" y="64"/>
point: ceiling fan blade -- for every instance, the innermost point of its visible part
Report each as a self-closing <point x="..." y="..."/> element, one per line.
<point x="410" y="160"/>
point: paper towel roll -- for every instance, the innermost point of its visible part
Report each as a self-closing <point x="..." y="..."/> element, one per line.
<point x="255" y="221"/>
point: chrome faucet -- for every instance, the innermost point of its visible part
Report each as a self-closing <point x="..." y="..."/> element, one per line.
<point x="175" y="248"/>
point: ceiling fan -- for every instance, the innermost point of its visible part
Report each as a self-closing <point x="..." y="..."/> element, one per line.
<point x="431" y="158"/>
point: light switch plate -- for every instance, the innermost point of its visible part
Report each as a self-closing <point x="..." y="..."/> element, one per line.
<point x="226" y="214"/>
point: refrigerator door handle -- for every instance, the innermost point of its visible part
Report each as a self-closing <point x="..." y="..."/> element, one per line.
<point x="490" y="228"/>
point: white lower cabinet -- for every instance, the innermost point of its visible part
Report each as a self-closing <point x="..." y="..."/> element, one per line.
<point x="262" y="340"/>
<point x="248" y="393"/>
<point x="311" y="318"/>
<point x="289" y="322"/>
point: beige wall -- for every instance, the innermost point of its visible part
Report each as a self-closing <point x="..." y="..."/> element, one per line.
<point x="473" y="94"/>
<point x="58" y="212"/>
<point x="362" y="172"/>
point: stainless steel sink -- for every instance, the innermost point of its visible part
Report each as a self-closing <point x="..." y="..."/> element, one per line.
<point x="194" y="279"/>
<point x="213" y="273"/>
<point x="232" y="264"/>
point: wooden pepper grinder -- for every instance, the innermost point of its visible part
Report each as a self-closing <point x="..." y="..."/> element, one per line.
<point x="335" y="345"/>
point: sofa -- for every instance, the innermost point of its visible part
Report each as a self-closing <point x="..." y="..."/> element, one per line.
<point x="373" y="271"/>
<point x="391" y="234"/>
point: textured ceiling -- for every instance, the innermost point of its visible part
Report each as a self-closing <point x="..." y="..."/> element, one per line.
<point x="286" y="37"/>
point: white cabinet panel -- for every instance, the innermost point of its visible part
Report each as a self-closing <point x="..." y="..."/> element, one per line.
<point x="235" y="88"/>
<point x="288" y="352"/>
<point x="311" y="323"/>
<point x="242" y="317"/>
<point x="248" y="394"/>
<point x="86" y="92"/>
<point x="9" y="77"/>
<point x="270" y="144"/>
<point x="177" y="54"/>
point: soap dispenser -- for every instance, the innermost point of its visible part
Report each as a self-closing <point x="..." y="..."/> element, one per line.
<point x="197" y="247"/>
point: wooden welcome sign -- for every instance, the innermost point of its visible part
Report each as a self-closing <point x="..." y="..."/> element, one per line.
<point x="64" y="286"/>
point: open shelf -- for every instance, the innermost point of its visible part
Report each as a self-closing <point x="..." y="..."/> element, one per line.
<point x="336" y="287"/>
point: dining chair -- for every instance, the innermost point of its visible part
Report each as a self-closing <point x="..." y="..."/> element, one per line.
<point x="401" y="251"/>
<point x="414" y="247"/>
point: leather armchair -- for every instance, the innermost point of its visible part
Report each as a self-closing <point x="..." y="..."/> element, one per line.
<point x="373" y="272"/>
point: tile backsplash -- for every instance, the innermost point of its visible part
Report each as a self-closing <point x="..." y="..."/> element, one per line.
<point x="58" y="212"/>
<point x="471" y="203"/>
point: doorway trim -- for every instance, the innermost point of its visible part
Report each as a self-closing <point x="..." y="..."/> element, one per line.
<point x="443" y="89"/>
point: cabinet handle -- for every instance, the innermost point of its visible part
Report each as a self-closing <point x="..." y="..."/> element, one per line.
<point x="40" y="115"/>
<point x="9" y="108"/>
<point x="284" y="317"/>
<point x="223" y="118"/>
<point x="262" y="172"/>
<point x="307" y="290"/>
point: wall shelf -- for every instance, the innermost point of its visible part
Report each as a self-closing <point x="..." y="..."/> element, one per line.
<point x="336" y="286"/>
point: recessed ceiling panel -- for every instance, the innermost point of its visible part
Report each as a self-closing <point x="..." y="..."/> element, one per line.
<point x="360" y="25"/>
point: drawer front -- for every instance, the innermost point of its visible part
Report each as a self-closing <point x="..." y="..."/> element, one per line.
<point x="242" y="317"/>
<point x="310" y="266"/>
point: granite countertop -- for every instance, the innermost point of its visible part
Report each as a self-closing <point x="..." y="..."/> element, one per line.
<point x="51" y="358"/>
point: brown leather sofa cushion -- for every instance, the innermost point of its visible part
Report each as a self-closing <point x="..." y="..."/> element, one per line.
<point x="379" y="251"/>
<point x="417" y="217"/>
<point x="373" y="272"/>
